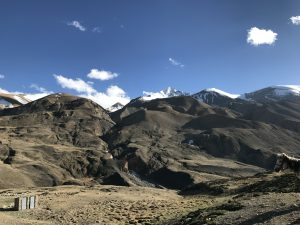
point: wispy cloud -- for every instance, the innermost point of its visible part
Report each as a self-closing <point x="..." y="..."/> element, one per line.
<point x="3" y="91"/>
<point x="77" y="25"/>
<point x="174" y="62"/>
<point x="258" y="36"/>
<point x="97" y="30"/>
<point x="2" y="76"/>
<point x="112" y="95"/>
<point x="295" y="20"/>
<point x="77" y="84"/>
<point x="38" y="88"/>
<point x="101" y="74"/>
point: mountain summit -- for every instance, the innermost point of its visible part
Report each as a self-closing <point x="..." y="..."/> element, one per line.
<point x="273" y="93"/>
<point x="165" y="93"/>
<point x="213" y="96"/>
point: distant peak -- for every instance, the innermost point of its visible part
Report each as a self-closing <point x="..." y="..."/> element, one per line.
<point x="274" y="92"/>
<point x="287" y="89"/>
<point x="220" y="92"/>
<point x="115" y="107"/>
<point x="169" y="90"/>
<point x="165" y="93"/>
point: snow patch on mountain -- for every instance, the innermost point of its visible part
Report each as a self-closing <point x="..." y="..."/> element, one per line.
<point x="209" y="95"/>
<point x="8" y="99"/>
<point x="220" y="92"/>
<point x="272" y="93"/>
<point x="115" y="107"/>
<point x="166" y="93"/>
<point x="284" y="90"/>
<point x="21" y="99"/>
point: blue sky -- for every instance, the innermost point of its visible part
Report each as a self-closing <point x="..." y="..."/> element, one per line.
<point x="147" y="45"/>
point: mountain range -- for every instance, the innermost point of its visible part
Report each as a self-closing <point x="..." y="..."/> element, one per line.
<point x="211" y="96"/>
<point x="168" y="142"/>
<point x="214" y="96"/>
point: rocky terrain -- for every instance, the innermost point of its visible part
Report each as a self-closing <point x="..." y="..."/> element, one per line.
<point x="170" y="142"/>
<point x="186" y="153"/>
<point x="52" y="141"/>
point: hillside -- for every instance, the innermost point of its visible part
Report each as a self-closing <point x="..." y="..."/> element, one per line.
<point x="170" y="142"/>
<point x="52" y="141"/>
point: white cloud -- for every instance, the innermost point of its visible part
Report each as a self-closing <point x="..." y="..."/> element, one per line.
<point x="97" y="30"/>
<point x="42" y="92"/>
<point x="4" y="91"/>
<point x="77" y="85"/>
<point x="258" y="36"/>
<point x="35" y="96"/>
<point x="90" y="82"/>
<point x="2" y="76"/>
<point x="112" y="95"/>
<point x="77" y="25"/>
<point x="174" y="62"/>
<point x="38" y="88"/>
<point x="295" y="20"/>
<point x="115" y="91"/>
<point x="101" y="74"/>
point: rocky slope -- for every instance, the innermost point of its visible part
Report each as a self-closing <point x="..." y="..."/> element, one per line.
<point x="182" y="137"/>
<point x="170" y="142"/>
<point x="261" y="199"/>
<point x="52" y="141"/>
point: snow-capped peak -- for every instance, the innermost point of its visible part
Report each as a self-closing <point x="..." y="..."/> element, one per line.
<point x="115" y="107"/>
<point x="283" y="90"/>
<point x="214" y="96"/>
<point x="166" y="93"/>
<point x="273" y="93"/>
<point x="220" y="92"/>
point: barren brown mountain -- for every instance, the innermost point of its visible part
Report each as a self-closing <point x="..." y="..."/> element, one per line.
<point x="210" y="153"/>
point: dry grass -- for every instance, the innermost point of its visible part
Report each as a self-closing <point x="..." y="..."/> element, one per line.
<point x="100" y="205"/>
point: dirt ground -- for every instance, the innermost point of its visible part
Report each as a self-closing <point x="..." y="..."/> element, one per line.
<point x="99" y="205"/>
<point x="264" y="199"/>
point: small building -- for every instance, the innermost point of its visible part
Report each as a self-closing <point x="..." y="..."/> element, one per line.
<point x="26" y="202"/>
